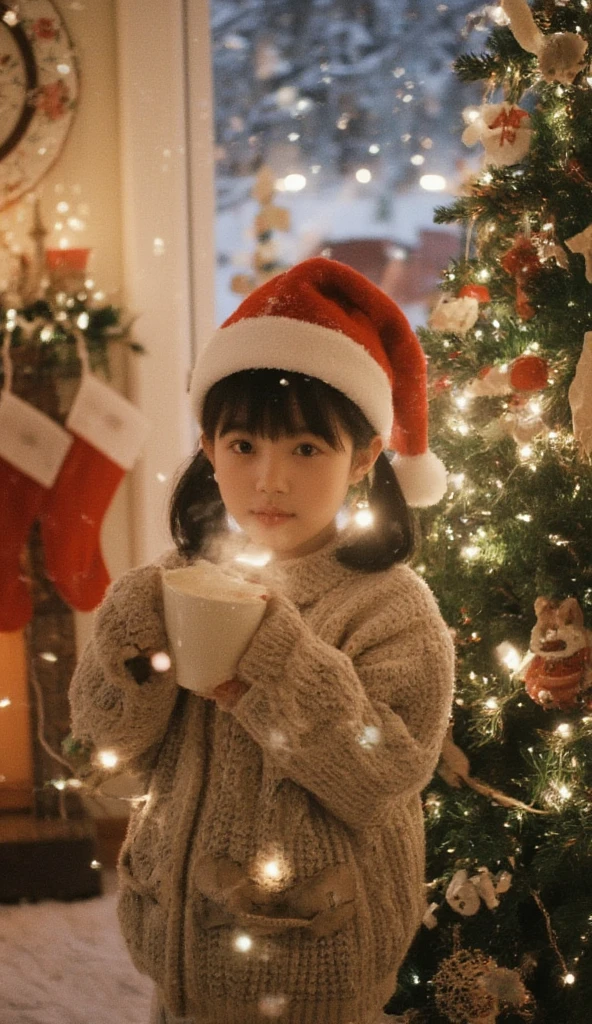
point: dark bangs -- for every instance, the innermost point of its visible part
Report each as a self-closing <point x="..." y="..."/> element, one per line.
<point x="275" y="403"/>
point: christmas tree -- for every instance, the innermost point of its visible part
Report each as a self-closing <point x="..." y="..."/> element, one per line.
<point x="508" y="552"/>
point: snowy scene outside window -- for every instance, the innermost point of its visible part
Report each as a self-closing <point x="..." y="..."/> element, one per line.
<point x="338" y="131"/>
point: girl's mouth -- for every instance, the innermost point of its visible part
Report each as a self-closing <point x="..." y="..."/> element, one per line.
<point x="272" y="517"/>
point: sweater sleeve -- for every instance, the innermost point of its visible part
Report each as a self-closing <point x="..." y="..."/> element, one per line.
<point x="358" y="730"/>
<point x="118" y="700"/>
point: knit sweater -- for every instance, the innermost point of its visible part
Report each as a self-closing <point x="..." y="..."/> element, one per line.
<point x="276" y="866"/>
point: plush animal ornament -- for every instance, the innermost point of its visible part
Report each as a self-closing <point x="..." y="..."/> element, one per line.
<point x="561" y="55"/>
<point x="453" y="313"/>
<point x="560" y="673"/>
<point x="504" y="130"/>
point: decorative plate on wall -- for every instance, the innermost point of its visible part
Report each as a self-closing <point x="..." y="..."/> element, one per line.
<point x="38" y="93"/>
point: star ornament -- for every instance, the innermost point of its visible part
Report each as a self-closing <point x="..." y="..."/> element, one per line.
<point x="582" y="244"/>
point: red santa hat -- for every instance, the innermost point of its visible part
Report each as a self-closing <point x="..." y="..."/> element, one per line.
<point x="323" y="319"/>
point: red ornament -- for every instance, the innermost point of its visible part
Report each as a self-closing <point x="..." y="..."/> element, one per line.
<point x="523" y="262"/>
<point x="475" y="291"/>
<point x="560" y="671"/>
<point x="529" y="373"/>
<point x="442" y="384"/>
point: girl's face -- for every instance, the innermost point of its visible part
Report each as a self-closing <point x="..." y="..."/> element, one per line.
<point x="286" y="493"/>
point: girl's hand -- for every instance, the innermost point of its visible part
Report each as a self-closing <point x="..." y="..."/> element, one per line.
<point x="228" y="694"/>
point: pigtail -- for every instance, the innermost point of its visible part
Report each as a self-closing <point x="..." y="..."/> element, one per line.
<point x="391" y="538"/>
<point x="196" y="510"/>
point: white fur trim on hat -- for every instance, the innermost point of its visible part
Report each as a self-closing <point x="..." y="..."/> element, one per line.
<point x="284" y="343"/>
<point x="422" y="478"/>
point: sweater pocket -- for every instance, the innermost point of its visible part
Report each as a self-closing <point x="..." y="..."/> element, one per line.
<point x="321" y="905"/>
<point x="143" y="925"/>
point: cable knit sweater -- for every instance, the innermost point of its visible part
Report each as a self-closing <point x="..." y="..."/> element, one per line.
<point x="276" y="866"/>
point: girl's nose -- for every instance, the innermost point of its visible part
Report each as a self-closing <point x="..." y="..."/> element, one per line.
<point x="271" y="477"/>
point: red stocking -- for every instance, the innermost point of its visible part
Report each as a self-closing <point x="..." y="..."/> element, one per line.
<point x="71" y="525"/>
<point x="20" y="503"/>
<point x="108" y="434"/>
<point x="32" y="449"/>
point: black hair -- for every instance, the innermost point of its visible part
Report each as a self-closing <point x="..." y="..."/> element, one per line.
<point x="274" y="403"/>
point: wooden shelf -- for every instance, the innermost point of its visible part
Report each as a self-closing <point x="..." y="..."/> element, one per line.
<point x="47" y="858"/>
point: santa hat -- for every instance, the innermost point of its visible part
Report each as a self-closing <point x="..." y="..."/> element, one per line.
<point x="323" y="319"/>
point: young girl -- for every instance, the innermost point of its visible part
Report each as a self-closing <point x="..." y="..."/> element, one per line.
<point x="275" y="868"/>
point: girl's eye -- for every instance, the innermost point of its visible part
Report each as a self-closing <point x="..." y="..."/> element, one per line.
<point x="307" y="449"/>
<point x="241" y="447"/>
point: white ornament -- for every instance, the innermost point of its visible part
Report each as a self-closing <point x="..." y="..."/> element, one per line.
<point x="493" y="382"/>
<point x="504" y="130"/>
<point x="523" y="424"/>
<point x="580" y="391"/>
<point x="429" y="918"/>
<point x="561" y="55"/>
<point x="582" y="244"/>
<point x="462" y="895"/>
<point x="454" y="314"/>
<point x="503" y="882"/>
<point x="483" y="883"/>
<point x="526" y="32"/>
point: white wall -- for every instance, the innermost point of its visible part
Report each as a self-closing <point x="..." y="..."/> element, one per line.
<point x="168" y="237"/>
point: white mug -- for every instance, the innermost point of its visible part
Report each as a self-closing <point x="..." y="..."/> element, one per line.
<point x="210" y="619"/>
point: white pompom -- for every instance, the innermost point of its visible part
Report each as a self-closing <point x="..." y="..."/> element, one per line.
<point x="422" y="478"/>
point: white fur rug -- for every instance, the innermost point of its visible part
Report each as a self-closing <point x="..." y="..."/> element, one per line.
<point x="66" y="963"/>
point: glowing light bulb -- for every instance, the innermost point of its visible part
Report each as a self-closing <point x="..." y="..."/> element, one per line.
<point x="432" y="182"/>
<point x="417" y="160"/>
<point x="569" y="978"/>
<point x="272" y="870"/>
<point x="563" y="730"/>
<point x="492" y="703"/>
<point x="370" y="737"/>
<point x="83" y="321"/>
<point x="5" y="702"/>
<point x="509" y="656"/>
<point x="470" y="552"/>
<point x="108" y="758"/>
<point x="363" y="516"/>
<point x="294" y="182"/>
<point x="564" y="793"/>
<point x="160" y="661"/>
<point x="363" y="175"/>
<point x="243" y="943"/>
